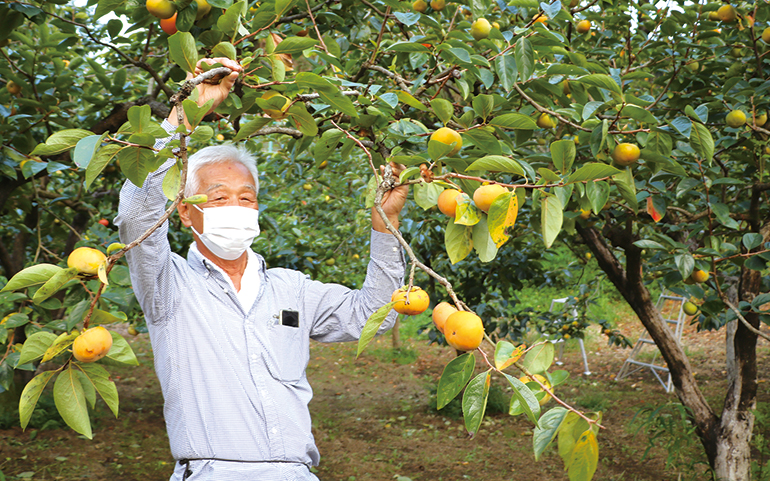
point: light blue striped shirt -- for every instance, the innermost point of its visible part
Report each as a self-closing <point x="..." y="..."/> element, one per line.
<point x="233" y="380"/>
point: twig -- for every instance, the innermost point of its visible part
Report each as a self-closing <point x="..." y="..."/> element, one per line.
<point x="743" y="319"/>
<point x="556" y="398"/>
<point x="315" y="26"/>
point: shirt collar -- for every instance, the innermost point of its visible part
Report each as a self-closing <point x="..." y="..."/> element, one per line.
<point x="202" y="265"/>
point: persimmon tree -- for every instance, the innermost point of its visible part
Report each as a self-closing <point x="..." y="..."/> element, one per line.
<point x="540" y="103"/>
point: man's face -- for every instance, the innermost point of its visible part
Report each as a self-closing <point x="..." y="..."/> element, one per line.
<point x="227" y="184"/>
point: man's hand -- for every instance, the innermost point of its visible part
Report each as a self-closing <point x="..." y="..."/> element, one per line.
<point x="392" y="202"/>
<point x="207" y="91"/>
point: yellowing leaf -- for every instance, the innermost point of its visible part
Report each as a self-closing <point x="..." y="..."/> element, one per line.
<point x="102" y="273"/>
<point x="585" y="457"/>
<point x="502" y="216"/>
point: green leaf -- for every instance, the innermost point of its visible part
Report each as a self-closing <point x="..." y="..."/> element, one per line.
<point x="426" y="195"/>
<point x="171" y="182"/>
<point x="639" y="114"/>
<point x="475" y="401"/>
<point x="408" y="99"/>
<point x="54" y="284"/>
<point x="283" y="6"/>
<point x="61" y="141"/>
<point x="195" y="113"/>
<point x="121" y="351"/>
<point x="31" y="276"/>
<point x="648" y="244"/>
<point x="224" y="49"/>
<point x="456" y="375"/>
<point x="303" y="120"/>
<point x="484" y="141"/>
<point x="100" y="379"/>
<point x="601" y="81"/>
<point x="373" y="325"/>
<point x="505" y="66"/>
<point x="458" y="241"/>
<point x="685" y="263"/>
<point x="624" y="181"/>
<point x="752" y="240"/>
<point x="563" y="155"/>
<point x="31" y="394"/>
<point x="89" y="391"/>
<point x="497" y="163"/>
<point x="85" y="149"/>
<point x="137" y="162"/>
<point x="59" y="345"/>
<point x="592" y="171"/>
<point x="70" y="400"/>
<point x="502" y="217"/>
<point x="483" y="105"/>
<point x="552" y="216"/>
<point x="443" y="109"/>
<point x="585" y="457"/>
<point x="701" y="141"/>
<point x="525" y="58"/>
<point x="539" y="358"/>
<point x="437" y="150"/>
<point x="103" y="156"/>
<point x="295" y="45"/>
<point x="514" y="121"/>
<point x="101" y="317"/>
<point x="523" y="400"/>
<point x="327" y="144"/>
<point x="182" y="50"/>
<point x="598" y="193"/>
<point x="482" y="242"/>
<point x="107" y="6"/>
<point x="548" y="427"/>
<point x="230" y="22"/>
<point x="247" y="130"/>
<point x="722" y="213"/>
<point x="408" y="47"/>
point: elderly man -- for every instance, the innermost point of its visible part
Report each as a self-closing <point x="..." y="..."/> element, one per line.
<point x="231" y="337"/>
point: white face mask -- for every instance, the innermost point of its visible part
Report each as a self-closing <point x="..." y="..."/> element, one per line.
<point x="228" y="231"/>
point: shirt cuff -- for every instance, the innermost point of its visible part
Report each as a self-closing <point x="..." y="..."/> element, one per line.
<point x="385" y="247"/>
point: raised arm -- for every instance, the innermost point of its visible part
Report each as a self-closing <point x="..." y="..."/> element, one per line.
<point x="140" y="207"/>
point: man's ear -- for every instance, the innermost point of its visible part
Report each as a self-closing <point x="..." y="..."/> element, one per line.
<point x="184" y="214"/>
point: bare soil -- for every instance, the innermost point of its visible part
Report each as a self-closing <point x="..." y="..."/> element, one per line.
<point x="373" y="421"/>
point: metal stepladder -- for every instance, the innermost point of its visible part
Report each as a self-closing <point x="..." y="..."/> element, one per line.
<point x="560" y="342"/>
<point x="672" y="312"/>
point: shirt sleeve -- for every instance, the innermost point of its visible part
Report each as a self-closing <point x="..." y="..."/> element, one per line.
<point x="148" y="263"/>
<point x="339" y="313"/>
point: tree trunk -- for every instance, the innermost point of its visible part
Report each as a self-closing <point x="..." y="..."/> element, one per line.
<point x="726" y="438"/>
<point x="732" y="459"/>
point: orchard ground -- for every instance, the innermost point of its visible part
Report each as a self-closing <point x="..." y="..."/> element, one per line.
<point x="373" y="419"/>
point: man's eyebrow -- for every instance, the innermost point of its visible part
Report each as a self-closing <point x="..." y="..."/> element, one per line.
<point x="214" y="187"/>
<point x="251" y="187"/>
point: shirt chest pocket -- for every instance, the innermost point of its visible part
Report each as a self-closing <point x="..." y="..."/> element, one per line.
<point x="287" y="354"/>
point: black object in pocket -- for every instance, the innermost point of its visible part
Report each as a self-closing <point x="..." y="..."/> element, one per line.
<point x="289" y="318"/>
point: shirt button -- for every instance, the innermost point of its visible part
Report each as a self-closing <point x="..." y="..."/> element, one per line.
<point x="274" y="430"/>
<point x="253" y="357"/>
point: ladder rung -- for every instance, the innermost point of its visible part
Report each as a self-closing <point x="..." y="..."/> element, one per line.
<point x="647" y="364"/>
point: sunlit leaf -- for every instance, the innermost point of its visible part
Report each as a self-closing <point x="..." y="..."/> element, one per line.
<point x="475" y="401"/>
<point x="456" y="375"/>
<point x="70" y="400"/>
<point x="373" y="325"/>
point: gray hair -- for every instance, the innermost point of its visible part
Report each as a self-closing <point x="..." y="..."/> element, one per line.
<point x="218" y="154"/>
